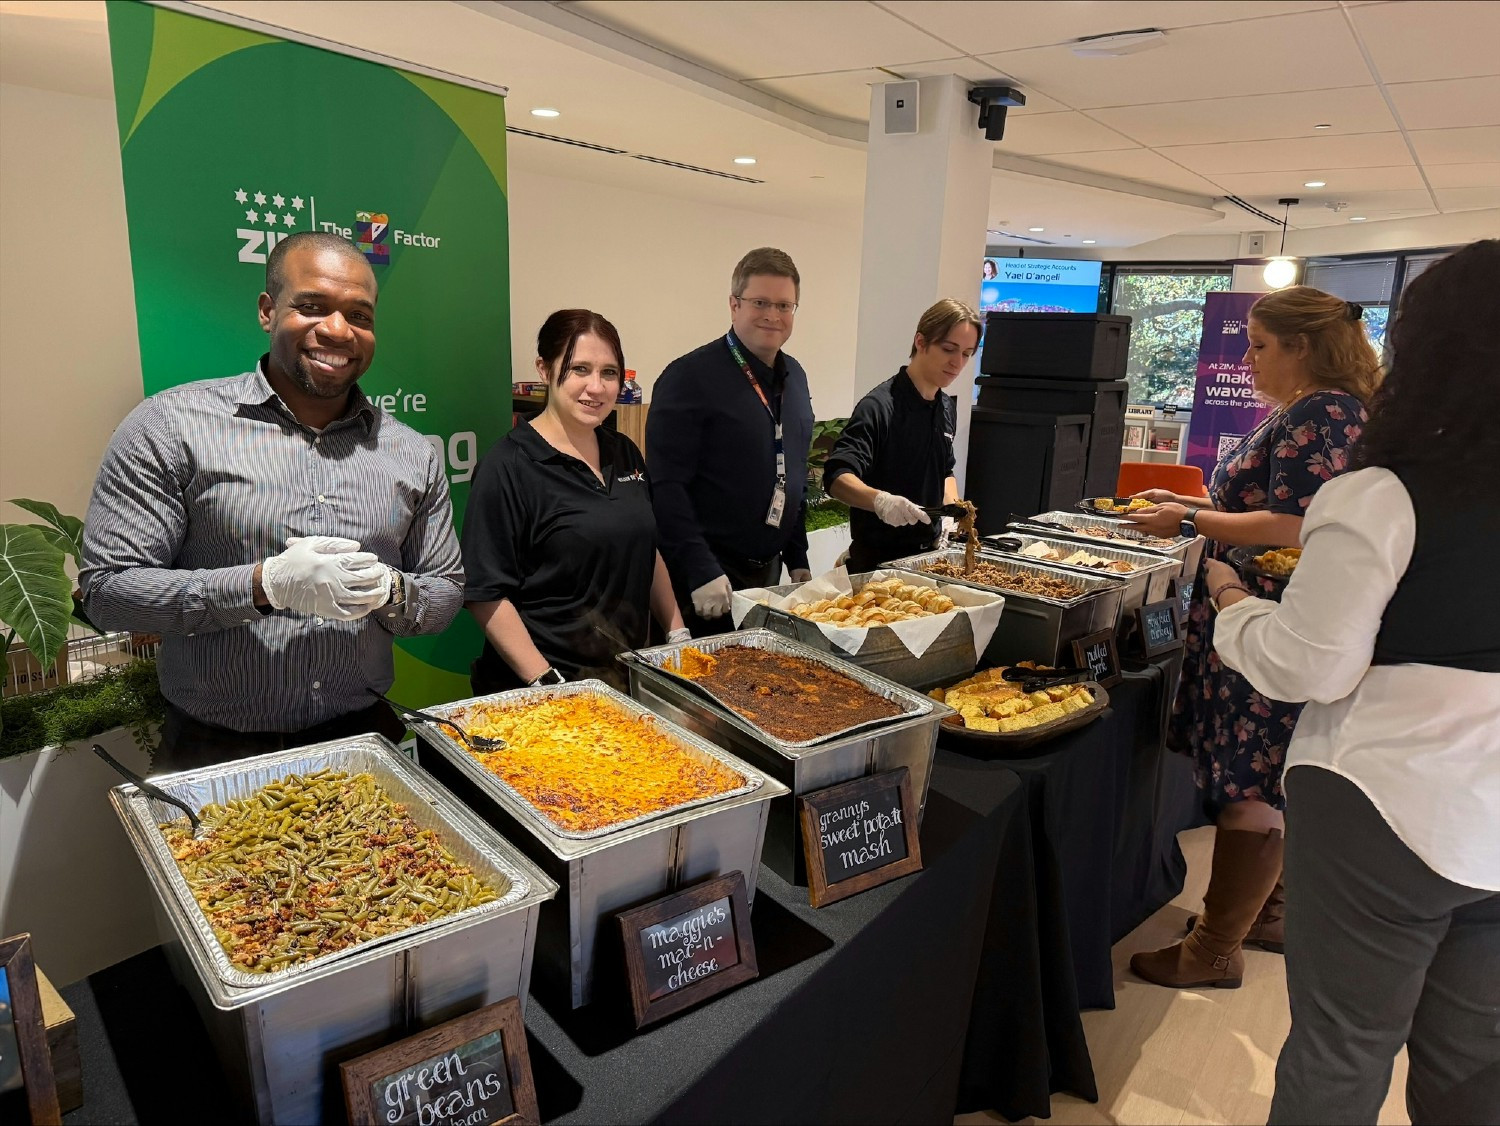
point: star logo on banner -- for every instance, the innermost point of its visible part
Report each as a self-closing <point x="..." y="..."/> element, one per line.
<point x="260" y="198"/>
<point x="297" y="202"/>
<point x="289" y="219"/>
<point x="252" y="216"/>
<point x="240" y="196"/>
<point x="271" y="218"/>
<point x="279" y="200"/>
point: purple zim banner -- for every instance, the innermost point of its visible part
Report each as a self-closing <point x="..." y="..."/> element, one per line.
<point x="1225" y="408"/>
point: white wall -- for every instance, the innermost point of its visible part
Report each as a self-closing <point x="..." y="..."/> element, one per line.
<point x="70" y="364"/>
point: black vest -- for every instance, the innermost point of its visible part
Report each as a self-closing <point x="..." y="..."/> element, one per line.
<point x="1446" y="610"/>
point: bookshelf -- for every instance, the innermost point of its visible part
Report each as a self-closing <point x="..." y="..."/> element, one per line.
<point x="1152" y="436"/>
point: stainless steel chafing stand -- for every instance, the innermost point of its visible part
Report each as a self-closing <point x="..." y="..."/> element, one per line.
<point x="282" y="1035"/>
<point x="1034" y="627"/>
<point x="1187" y="551"/>
<point x="906" y="740"/>
<point x="617" y="867"/>
<point x="1147" y="583"/>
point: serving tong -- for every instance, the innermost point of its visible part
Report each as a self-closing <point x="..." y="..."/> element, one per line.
<point x="957" y="511"/>
<point x="1034" y="680"/>
<point x="477" y="743"/>
<point x="152" y="791"/>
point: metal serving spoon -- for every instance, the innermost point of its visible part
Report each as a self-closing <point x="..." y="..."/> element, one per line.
<point x="150" y="790"/>
<point x="473" y="742"/>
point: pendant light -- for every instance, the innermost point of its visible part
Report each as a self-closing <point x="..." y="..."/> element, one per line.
<point x="1281" y="271"/>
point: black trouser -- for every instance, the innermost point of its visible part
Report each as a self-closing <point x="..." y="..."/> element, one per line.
<point x="742" y="574"/>
<point x="188" y="743"/>
<point x="1381" y="951"/>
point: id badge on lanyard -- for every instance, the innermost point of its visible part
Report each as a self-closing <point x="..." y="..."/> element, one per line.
<point x="777" y="510"/>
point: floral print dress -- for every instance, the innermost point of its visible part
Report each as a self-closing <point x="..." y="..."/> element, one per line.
<point x="1237" y="737"/>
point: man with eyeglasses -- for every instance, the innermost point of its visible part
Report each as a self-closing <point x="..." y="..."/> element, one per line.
<point x="727" y="441"/>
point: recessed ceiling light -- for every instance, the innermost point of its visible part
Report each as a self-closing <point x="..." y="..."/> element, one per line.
<point x="545" y="111"/>
<point x="744" y="160"/>
<point x="1089" y="241"/>
<point x="1315" y="184"/>
<point x="1325" y="125"/>
<point x="1036" y="230"/>
<point x="1356" y="218"/>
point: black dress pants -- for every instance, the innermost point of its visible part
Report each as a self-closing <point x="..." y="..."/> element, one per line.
<point x="187" y="743"/>
<point x="743" y="574"/>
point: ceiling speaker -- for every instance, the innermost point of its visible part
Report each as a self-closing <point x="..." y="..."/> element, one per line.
<point x="901" y="107"/>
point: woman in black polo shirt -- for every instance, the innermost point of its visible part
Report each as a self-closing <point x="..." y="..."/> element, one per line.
<point x="896" y="454"/>
<point x="559" y="538"/>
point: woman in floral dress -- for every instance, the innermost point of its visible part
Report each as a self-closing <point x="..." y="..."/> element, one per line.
<point x="1309" y="355"/>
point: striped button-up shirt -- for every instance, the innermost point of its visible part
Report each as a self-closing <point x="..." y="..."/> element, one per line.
<point x="204" y="481"/>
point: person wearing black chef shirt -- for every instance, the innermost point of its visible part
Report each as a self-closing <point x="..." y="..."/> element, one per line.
<point x="727" y="438"/>
<point x="559" y="540"/>
<point x="895" y="456"/>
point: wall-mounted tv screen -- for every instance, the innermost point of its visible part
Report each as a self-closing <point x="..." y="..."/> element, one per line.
<point x="1039" y="285"/>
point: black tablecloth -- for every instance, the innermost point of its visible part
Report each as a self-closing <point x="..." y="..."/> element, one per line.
<point x="859" y="1015"/>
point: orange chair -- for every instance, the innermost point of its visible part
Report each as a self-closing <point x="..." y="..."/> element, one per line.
<point x="1137" y="476"/>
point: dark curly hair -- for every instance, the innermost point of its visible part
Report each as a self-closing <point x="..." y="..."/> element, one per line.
<point x="1440" y="402"/>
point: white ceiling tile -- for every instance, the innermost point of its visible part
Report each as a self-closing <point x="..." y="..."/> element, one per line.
<point x="985" y="28"/>
<point x="768" y="38"/>
<point x="1340" y="181"/>
<point x="841" y="95"/>
<point x="1450" y="104"/>
<point x="1475" y="145"/>
<point x="1352" y="109"/>
<point x="973" y="70"/>
<point x="1468" y="199"/>
<point x="1313" y="50"/>
<point x="1329" y="219"/>
<point x="1483" y="175"/>
<point x="1428" y="40"/>
<point x="1074" y="212"/>
<point x="1142" y="165"/>
<point x="1042" y="134"/>
<point x="1363" y="150"/>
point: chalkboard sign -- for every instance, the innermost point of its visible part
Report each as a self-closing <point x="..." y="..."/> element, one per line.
<point x="1181" y="589"/>
<point x="1158" y="627"/>
<point x="688" y="946"/>
<point x="471" y="1070"/>
<point x="859" y="834"/>
<point x="1097" y="653"/>
<point x="28" y="1092"/>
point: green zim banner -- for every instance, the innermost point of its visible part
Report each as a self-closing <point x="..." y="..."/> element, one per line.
<point x="231" y="140"/>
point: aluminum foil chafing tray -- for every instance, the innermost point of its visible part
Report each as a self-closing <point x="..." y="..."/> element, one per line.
<point x="282" y="1035"/>
<point x="610" y="869"/>
<point x="1147" y="583"/>
<point x="905" y="740"/>
<point x="1035" y="627"/>
<point x="1072" y="525"/>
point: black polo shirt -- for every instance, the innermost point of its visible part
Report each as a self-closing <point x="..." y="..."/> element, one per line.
<point x="711" y="444"/>
<point x="901" y="443"/>
<point x="575" y="557"/>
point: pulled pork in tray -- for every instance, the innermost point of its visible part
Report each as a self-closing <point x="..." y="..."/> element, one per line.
<point x="1025" y="582"/>
<point x="585" y="764"/>
<point x="1105" y="532"/>
<point x="315" y="863"/>
<point x="789" y="697"/>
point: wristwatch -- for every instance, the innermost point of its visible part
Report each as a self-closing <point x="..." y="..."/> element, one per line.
<point x="548" y="676"/>
<point x="398" y="588"/>
<point x="1188" y="528"/>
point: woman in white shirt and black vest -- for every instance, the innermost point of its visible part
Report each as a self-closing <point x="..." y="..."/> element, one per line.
<point x="1390" y="630"/>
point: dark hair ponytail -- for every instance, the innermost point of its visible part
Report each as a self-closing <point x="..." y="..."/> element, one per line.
<point x="559" y="336"/>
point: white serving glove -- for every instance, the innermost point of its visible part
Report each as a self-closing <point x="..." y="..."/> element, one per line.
<point x="325" y="575"/>
<point x="950" y="526"/>
<point x="898" y="512"/>
<point x="711" y="600"/>
<point x="678" y="635"/>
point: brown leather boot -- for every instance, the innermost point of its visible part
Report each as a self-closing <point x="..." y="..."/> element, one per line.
<point x="1246" y="866"/>
<point x="1269" y="929"/>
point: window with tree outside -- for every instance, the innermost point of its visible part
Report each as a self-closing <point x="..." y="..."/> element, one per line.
<point x="1166" y="309"/>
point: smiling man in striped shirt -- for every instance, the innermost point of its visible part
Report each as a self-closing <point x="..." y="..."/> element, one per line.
<point x="276" y="528"/>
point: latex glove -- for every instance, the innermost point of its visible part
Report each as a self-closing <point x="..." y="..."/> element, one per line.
<point x="711" y="600"/>
<point x="950" y="526"/>
<point x="327" y="576"/>
<point x="898" y="512"/>
<point x="678" y="635"/>
<point x="799" y="574"/>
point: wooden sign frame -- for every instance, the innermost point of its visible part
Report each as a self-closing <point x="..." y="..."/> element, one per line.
<point x="31" y="1031"/>
<point x="810" y="807"/>
<point x="1141" y="614"/>
<point x="1084" y="644"/>
<point x="633" y="922"/>
<point x="503" y="1016"/>
<point x="1181" y="590"/>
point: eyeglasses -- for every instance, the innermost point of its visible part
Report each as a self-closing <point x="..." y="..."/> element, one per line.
<point x="761" y="305"/>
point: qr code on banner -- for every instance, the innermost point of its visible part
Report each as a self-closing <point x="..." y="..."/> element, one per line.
<point x="1228" y="443"/>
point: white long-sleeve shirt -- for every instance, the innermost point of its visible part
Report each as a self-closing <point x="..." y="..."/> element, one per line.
<point x="1422" y="742"/>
